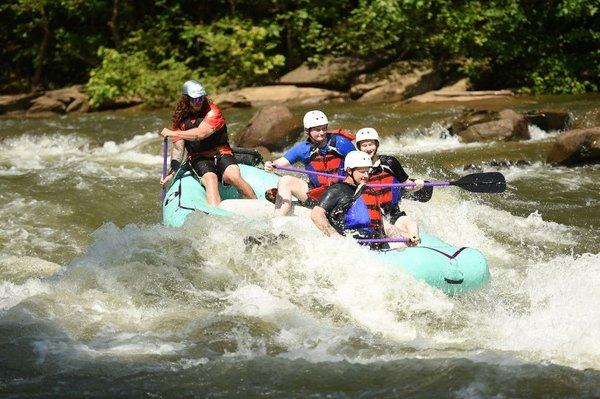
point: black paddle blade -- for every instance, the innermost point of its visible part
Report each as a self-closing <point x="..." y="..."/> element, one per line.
<point x="489" y="182"/>
<point x="423" y="195"/>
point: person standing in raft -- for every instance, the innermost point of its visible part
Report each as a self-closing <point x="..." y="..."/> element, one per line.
<point x="384" y="202"/>
<point x="322" y="151"/>
<point x="343" y="210"/>
<point x="199" y="128"/>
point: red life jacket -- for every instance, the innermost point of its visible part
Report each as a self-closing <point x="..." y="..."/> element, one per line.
<point x="378" y="199"/>
<point x="329" y="162"/>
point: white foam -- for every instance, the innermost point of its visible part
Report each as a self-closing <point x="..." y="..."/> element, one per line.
<point x="560" y="321"/>
<point x="12" y="294"/>
<point x="56" y="156"/>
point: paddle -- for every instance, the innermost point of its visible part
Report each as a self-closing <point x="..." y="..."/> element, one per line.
<point x="488" y="182"/>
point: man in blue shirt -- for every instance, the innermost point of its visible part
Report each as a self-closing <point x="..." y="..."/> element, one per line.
<point x="322" y="151"/>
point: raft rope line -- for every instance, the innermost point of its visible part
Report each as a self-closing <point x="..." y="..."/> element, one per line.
<point x="454" y="255"/>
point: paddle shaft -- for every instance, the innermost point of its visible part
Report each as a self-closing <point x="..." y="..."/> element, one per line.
<point x="382" y="240"/>
<point x="310" y="172"/>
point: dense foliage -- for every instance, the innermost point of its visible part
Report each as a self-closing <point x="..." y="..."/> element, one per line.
<point x="134" y="49"/>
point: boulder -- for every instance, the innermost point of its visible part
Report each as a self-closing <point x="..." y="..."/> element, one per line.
<point x="334" y="73"/>
<point x="549" y="120"/>
<point x="16" y="102"/>
<point x="469" y="118"/>
<point x="400" y="81"/>
<point x="576" y="147"/>
<point x="267" y="95"/>
<point x="488" y="126"/>
<point x="272" y="127"/>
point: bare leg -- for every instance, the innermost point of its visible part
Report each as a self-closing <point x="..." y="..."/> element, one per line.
<point x="288" y="186"/>
<point x="211" y="184"/>
<point x="232" y="176"/>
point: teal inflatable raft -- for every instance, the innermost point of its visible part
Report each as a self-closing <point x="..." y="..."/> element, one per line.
<point x="454" y="270"/>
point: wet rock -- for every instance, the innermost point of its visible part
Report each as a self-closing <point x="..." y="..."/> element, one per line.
<point x="469" y="118"/>
<point x="549" y="120"/>
<point x="490" y="126"/>
<point x="272" y="127"/>
<point x="576" y="147"/>
<point x="335" y="73"/>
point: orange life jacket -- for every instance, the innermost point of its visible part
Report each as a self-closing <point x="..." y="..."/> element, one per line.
<point x="379" y="199"/>
<point x="329" y="162"/>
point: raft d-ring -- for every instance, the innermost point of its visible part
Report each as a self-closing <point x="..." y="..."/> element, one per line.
<point x="453" y="275"/>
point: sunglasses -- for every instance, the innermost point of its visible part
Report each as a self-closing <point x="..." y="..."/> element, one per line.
<point x="196" y="100"/>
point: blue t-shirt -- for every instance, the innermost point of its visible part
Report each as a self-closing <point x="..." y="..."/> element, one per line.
<point x="301" y="152"/>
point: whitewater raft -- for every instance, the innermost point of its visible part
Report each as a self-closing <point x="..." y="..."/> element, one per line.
<point x="454" y="270"/>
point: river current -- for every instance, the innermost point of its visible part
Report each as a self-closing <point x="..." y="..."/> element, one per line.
<point x="98" y="299"/>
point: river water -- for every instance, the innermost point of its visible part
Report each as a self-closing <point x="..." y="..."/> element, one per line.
<point x="97" y="299"/>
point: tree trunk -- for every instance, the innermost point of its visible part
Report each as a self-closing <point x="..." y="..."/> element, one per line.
<point x="113" y="24"/>
<point x="40" y="59"/>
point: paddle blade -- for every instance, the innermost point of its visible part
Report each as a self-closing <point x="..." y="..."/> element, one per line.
<point x="489" y="182"/>
<point x="423" y="195"/>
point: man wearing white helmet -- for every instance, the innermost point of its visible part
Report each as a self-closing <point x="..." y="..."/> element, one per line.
<point x="384" y="202"/>
<point x="199" y="128"/>
<point x="322" y="151"/>
<point x="342" y="209"/>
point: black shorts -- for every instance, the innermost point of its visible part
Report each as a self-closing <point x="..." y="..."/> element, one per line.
<point x="216" y="164"/>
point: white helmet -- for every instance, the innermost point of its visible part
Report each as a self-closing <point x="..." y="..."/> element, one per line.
<point x="193" y="88"/>
<point x="357" y="159"/>
<point x="366" y="133"/>
<point x="314" y="118"/>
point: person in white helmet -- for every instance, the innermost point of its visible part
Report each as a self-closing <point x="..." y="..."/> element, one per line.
<point x="342" y="209"/>
<point x="322" y="151"/>
<point x="387" y="170"/>
<point x="199" y="128"/>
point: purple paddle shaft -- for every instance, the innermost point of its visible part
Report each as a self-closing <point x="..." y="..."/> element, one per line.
<point x="382" y="240"/>
<point x="427" y="184"/>
<point x="409" y="184"/>
<point x="308" y="172"/>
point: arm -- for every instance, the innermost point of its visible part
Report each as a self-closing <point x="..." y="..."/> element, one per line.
<point x="176" y="159"/>
<point x="282" y="161"/>
<point x="400" y="174"/>
<point x="198" y="133"/>
<point x="319" y="218"/>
